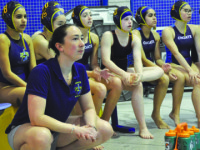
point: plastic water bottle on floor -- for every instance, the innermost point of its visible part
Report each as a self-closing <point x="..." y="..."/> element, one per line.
<point x="193" y="140"/>
<point x="170" y="140"/>
<point x="183" y="138"/>
<point x="184" y="141"/>
<point x="197" y="136"/>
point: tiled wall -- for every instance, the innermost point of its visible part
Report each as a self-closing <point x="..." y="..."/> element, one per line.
<point x="162" y="8"/>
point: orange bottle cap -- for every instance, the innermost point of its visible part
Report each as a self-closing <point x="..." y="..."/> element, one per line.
<point x="194" y="129"/>
<point x="184" y="134"/>
<point x="170" y="133"/>
<point x="175" y="130"/>
<point x="190" y="132"/>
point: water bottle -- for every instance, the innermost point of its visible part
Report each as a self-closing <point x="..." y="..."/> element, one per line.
<point x="197" y="136"/>
<point x="193" y="140"/>
<point x="170" y="139"/>
<point x="184" y="141"/>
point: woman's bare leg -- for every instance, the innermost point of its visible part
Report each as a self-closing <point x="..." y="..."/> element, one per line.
<point x="177" y="94"/>
<point x="159" y="95"/>
<point x="138" y="108"/>
<point x="115" y="88"/>
<point x="195" y="92"/>
<point x="149" y="73"/>
<point x="11" y="94"/>
<point x="32" y="137"/>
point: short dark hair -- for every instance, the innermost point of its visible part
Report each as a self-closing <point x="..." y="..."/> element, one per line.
<point x="58" y="37"/>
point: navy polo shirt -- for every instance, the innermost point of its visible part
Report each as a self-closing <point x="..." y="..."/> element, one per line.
<point x="47" y="81"/>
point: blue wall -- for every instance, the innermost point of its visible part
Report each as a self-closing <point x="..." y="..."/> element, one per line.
<point x="34" y="7"/>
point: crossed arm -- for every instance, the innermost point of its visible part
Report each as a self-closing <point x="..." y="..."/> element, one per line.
<point x="38" y="118"/>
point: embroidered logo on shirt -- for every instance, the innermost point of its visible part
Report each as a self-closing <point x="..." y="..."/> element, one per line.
<point x="24" y="56"/>
<point x="184" y="37"/>
<point x="148" y="42"/>
<point x="78" y="88"/>
<point x="88" y="46"/>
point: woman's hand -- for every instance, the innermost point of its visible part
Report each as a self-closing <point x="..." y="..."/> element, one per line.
<point x="105" y="74"/>
<point x="135" y="78"/>
<point x="130" y="79"/>
<point x="172" y="75"/>
<point x="166" y="67"/>
<point x="194" y="77"/>
<point x="96" y="74"/>
<point x="86" y="132"/>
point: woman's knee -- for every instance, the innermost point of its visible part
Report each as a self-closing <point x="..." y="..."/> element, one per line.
<point x="99" y="89"/>
<point x="140" y="85"/>
<point x="40" y="137"/>
<point x="159" y="71"/>
<point x="13" y="95"/>
<point x="116" y="84"/>
<point x="196" y="85"/>
<point x="180" y="77"/>
<point x="105" y="130"/>
<point x="164" y="80"/>
<point x="138" y="89"/>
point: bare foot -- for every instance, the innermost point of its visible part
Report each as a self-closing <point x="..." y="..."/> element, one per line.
<point x="160" y="123"/>
<point x="100" y="147"/>
<point x="145" y="134"/>
<point x="175" y="118"/>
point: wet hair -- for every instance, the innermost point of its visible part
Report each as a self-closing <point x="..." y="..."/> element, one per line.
<point x="58" y="37"/>
<point x="141" y="14"/>
<point x="176" y="8"/>
<point x="50" y="12"/>
<point x="8" y="11"/>
<point x="119" y="14"/>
